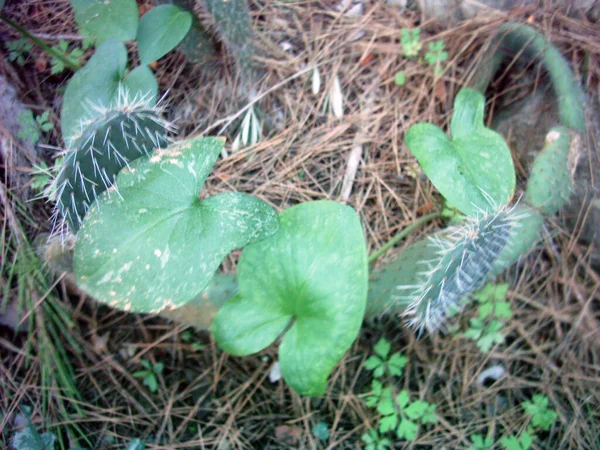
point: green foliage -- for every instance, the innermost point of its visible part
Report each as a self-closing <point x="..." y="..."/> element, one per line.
<point x="382" y="362"/>
<point x="436" y="56"/>
<point x="321" y="431"/>
<point x="31" y="128"/>
<point x="551" y="164"/>
<point x="43" y="175"/>
<point x="107" y="19"/>
<point x="29" y="439"/>
<point x="108" y="142"/>
<point x="62" y="54"/>
<point x="18" y="50"/>
<point x="493" y="311"/>
<point x="401" y="415"/>
<point x="150" y="374"/>
<point x="410" y="39"/>
<point x="474" y="171"/>
<point x="160" y="30"/>
<point x="309" y="279"/>
<point x="523" y="442"/>
<point x="156" y="245"/>
<point x="373" y="441"/>
<point x="487" y="334"/>
<point x="400" y="78"/>
<point x="541" y="417"/>
<point x="479" y="443"/>
<point x="97" y="84"/>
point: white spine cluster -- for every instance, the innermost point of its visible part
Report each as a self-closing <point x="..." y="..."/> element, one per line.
<point x="464" y="259"/>
<point x="132" y="121"/>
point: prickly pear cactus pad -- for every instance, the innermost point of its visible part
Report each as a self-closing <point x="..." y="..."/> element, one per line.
<point x="311" y="279"/>
<point x="474" y="170"/>
<point x="108" y="142"/>
<point x="150" y="243"/>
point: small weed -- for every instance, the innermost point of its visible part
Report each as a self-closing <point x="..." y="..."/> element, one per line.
<point x="43" y="175"/>
<point x="373" y="441"/>
<point x="62" y="50"/>
<point x="149" y="374"/>
<point x="321" y="431"/>
<point x="411" y="42"/>
<point x="436" y="56"/>
<point x="382" y="362"/>
<point x="31" y="128"/>
<point x="522" y="443"/>
<point x="541" y="417"/>
<point x="400" y="78"/>
<point x="18" y="50"/>
<point x="404" y="414"/>
<point x="186" y="336"/>
<point x="479" y="443"/>
<point x="493" y="311"/>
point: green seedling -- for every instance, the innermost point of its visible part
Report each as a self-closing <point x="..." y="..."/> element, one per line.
<point x="31" y="129"/>
<point x="373" y="441"/>
<point x="523" y="442"/>
<point x="186" y="336"/>
<point x="410" y="39"/>
<point x="436" y="56"/>
<point x="542" y="418"/>
<point x="62" y="53"/>
<point x="382" y="362"/>
<point x="493" y="311"/>
<point x="43" y="175"/>
<point x="486" y="334"/>
<point x="481" y="443"/>
<point x="18" y="50"/>
<point x="150" y="374"/>
<point x="378" y="393"/>
<point x="400" y="78"/>
<point x="401" y="415"/>
<point x="320" y="431"/>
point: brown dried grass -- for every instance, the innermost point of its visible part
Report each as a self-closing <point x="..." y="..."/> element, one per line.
<point x="210" y="400"/>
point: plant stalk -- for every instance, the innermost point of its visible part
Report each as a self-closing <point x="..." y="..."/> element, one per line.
<point x="68" y="62"/>
<point x="397" y="238"/>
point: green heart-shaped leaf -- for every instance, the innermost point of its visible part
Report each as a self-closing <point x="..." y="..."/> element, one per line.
<point x="311" y="275"/>
<point x="154" y="244"/>
<point x="474" y="171"/>
<point x="160" y="30"/>
<point x="94" y="84"/>
<point x="107" y="19"/>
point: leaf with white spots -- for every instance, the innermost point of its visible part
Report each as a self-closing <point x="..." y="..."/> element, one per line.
<point x="309" y="279"/>
<point x="153" y="244"/>
<point x="474" y="171"/>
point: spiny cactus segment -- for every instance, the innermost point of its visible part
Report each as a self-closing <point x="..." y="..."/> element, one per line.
<point x="113" y="137"/>
<point x="463" y="260"/>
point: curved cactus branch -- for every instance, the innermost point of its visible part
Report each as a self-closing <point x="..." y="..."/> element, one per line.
<point x="515" y="38"/>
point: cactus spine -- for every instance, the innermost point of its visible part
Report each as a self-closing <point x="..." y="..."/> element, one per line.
<point x="108" y="142"/>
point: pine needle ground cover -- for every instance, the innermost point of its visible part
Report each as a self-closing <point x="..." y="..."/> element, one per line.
<point x="100" y="378"/>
